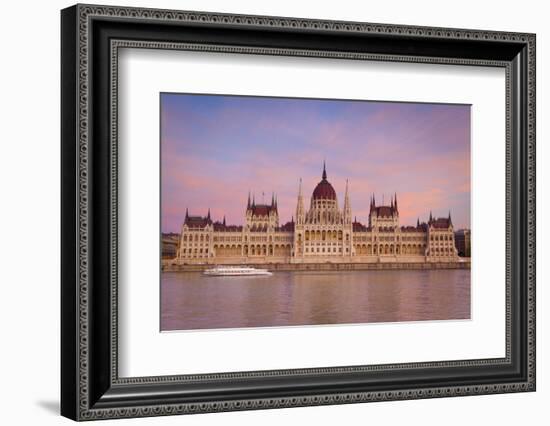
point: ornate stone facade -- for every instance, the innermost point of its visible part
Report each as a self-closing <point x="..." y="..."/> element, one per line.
<point x="322" y="234"/>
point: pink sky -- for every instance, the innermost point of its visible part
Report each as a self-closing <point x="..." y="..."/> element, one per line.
<point x="215" y="149"/>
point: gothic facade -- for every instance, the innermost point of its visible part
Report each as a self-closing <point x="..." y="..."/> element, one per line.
<point x="323" y="233"/>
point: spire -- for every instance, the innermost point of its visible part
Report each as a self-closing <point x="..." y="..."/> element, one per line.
<point x="431" y="216"/>
<point x="391" y="202"/>
<point x="417" y="222"/>
<point x="324" y="171"/>
<point x="450" y="221"/>
<point x="395" y="202"/>
<point x="275" y="200"/>
<point x="223" y="220"/>
<point x="373" y="200"/>
<point x="186" y="215"/>
<point x="248" y="204"/>
<point x="272" y="199"/>
<point x="253" y="199"/>
<point x="208" y="216"/>
<point x="347" y="206"/>
<point x="300" y="212"/>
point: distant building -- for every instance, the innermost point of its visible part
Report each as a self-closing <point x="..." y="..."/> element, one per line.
<point x="463" y="242"/>
<point x="324" y="233"/>
<point x="169" y="245"/>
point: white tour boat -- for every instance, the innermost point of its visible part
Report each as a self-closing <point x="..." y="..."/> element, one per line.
<point x="229" y="271"/>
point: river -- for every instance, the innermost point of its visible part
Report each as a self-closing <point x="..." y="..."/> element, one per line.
<point x="190" y="300"/>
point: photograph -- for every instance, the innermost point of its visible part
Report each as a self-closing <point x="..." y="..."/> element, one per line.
<point x="280" y="211"/>
<point x="267" y="208"/>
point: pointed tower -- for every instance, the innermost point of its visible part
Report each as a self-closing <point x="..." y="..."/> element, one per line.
<point x="324" y="170"/>
<point x="417" y="222"/>
<point x="372" y="211"/>
<point x="223" y="220"/>
<point x="248" y="204"/>
<point x="347" y="206"/>
<point x="273" y="213"/>
<point x="431" y="218"/>
<point x="300" y="213"/>
<point x="395" y="203"/>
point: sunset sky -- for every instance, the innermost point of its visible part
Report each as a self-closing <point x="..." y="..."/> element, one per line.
<point x="214" y="149"/>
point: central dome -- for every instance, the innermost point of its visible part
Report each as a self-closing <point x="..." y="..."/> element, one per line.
<point x="324" y="189"/>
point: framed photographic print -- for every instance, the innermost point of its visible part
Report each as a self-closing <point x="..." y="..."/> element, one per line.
<point x="263" y="212"/>
<point x="312" y="259"/>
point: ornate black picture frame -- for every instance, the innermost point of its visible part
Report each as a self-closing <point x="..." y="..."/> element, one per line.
<point x="90" y="38"/>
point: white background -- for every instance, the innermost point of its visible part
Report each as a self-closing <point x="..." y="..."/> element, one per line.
<point x="146" y="352"/>
<point x="29" y="217"/>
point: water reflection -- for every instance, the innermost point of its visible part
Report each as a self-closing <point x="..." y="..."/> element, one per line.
<point x="190" y="300"/>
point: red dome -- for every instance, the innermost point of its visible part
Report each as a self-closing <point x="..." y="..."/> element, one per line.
<point x="324" y="190"/>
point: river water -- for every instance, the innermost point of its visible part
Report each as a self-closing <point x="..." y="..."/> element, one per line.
<point x="190" y="300"/>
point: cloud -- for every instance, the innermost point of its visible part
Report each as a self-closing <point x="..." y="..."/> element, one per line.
<point x="215" y="149"/>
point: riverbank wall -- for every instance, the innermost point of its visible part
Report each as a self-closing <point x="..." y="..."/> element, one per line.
<point x="170" y="266"/>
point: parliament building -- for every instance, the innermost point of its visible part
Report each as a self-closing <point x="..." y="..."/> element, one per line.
<point x="324" y="233"/>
